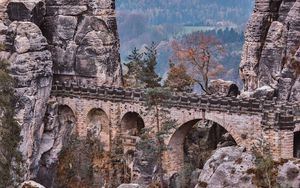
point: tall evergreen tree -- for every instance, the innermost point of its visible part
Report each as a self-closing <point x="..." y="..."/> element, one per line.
<point x="149" y="76"/>
<point x="135" y="67"/>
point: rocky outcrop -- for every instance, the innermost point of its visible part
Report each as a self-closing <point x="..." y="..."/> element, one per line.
<point x="272" y="48"/>
<point x="83" y="41"/>
<point x="129" y="186"/>
<point x="78" y="41"/>
<point x="227" y="168"/>
<point x="31" y="68"/>
<point x="235" y="167"/>
<point x="223" y="88"/>
<point x="31" y="184"/>
<point x="289" y="174"/>
<point x="30" y="10"/>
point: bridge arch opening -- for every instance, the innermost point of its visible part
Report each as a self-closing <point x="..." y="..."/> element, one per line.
<point x="192" y="144"/>
<point x="98" y="126"/>
<point x="67" y="121"/>
<point x="297" y="144"/>
<point x="132" y="124"/>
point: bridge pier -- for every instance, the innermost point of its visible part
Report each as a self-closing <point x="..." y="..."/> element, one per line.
<point x="281" y="143"/>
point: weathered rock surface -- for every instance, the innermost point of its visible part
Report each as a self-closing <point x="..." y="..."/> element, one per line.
<point x="227" y="168"/>
<point x="31" y="184"/>
<point x="129" y="186"/>
<point x="84" y="41"/>
<point x="223" y="88"/>
<point x="288" y="174"/>
<point x="271" y="50"/>
<point x="31" y="68"/>
<point x="79" y="40"/>
<point x="232" y="166"/>
<point x="29" y="10"/>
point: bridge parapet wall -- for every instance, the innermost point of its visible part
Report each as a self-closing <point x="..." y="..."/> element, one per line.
<point x="279" y="115"/>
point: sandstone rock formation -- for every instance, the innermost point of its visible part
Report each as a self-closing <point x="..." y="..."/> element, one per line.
<point x="232" y="167"/>
<point x="223" y="88"/>
<point x="227" y="168"/>
<point x="272" y="48"/>
<point x="84" y="41"/>
<point x="31" y="68"/>
<point x="129" y="186"/>
<point x="48" y="40"/>
<point x="31" y="184"/>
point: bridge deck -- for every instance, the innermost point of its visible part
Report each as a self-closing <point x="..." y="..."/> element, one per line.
<point x="274" y="113"/>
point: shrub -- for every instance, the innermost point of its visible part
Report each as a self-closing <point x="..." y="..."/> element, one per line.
<point x="265" y="167"/>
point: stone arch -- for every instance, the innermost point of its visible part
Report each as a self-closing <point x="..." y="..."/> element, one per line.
<point x="66" y="120"/>
<point x="98" y="126"/>
<point x="175" y="154"/>
<point x="132" y="124"/>
<point x="297" y="144"/>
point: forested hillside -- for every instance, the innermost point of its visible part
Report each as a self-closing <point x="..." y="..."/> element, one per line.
<point x="189" y="11"/>
<point x="142" y="21"/>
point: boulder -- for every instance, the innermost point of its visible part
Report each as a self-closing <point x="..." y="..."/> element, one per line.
<point x="289" y="174"/>
<point x="227" y="168"/>
<point x="223" y="88"/>
<point x="129" y="186"/>
<point x="31" y="184"/>
<point x="263" y="92"/>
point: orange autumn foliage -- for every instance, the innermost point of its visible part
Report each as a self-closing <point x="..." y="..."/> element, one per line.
<point x="197" y="52"/>
<point x="178" y="78"/>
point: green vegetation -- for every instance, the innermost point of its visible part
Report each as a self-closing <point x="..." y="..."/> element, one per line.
<point x="266" y="168"/>
<point x="141" y="68"/>
<point x="76" y="163"/>
<point x="135" y="66"/>
<point x="191" y="12"/>
<point x="143" y="21"/>
<point x="178" y="79"/>
<point x="152" y="140"/>
<point x="9" y="130"/>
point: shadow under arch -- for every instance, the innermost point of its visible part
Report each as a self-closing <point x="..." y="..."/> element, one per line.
<point x="132" y="124"/>
<point x="67" y="121"/>
<point x="98" y="126"/>
<point x="297" y="144"/>
<point x="175" y="152"/>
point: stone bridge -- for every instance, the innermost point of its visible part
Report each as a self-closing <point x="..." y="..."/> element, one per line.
<point x="110" y="112"/>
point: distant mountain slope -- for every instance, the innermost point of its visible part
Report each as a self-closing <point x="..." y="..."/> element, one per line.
<point x="142" y="21"/>
<point x="189" y="11"/>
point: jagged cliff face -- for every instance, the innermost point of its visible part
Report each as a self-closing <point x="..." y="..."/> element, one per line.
<point x="271" y="54"/>
<point x="83" y="40"/>
<point x="30" y="66"/>
<point x="49" y="40"/>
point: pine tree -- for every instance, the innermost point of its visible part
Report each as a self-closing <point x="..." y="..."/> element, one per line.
<point x="135" y="66"/>
<point x="149" y="76"/>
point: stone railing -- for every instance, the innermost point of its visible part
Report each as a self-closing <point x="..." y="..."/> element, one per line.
<point x="274" y="112"/>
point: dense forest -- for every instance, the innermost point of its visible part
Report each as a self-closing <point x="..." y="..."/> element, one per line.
<point x="189" y="11"/>
<point x="142" y="21"/>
